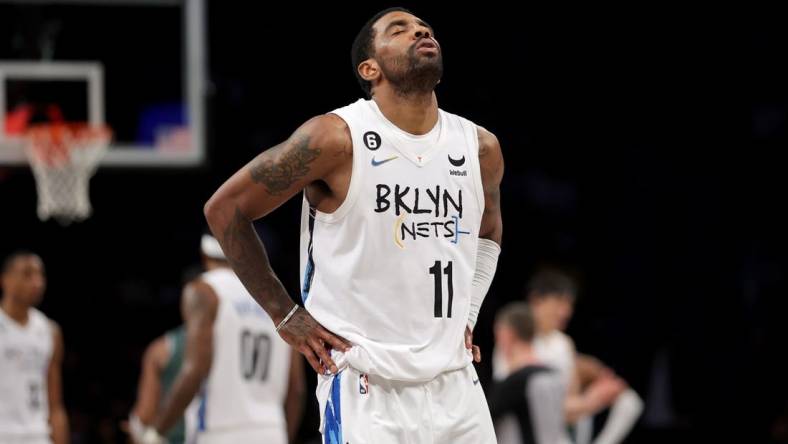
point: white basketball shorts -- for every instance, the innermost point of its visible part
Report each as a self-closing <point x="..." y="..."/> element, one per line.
<point x="363" y="409"/>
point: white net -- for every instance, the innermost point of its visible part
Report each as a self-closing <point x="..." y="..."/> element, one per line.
<point x="63" y="158"/>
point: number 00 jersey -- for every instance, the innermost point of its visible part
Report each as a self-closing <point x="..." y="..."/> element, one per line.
<point x="391" y="269"/>
<point x="250" y="370"/>
<point x="25" y="352"/>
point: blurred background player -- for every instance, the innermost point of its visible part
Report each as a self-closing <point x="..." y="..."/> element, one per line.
<point x="31" y="353"/>
<point x="250" y="383"/>
<point x="161" y="364"/>
<point x="591" y="387"/>
<point x="528" y="405"/>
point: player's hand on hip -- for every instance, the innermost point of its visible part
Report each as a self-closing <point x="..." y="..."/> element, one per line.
<point x="475" y="350"/>
<point x="311" y="339"/>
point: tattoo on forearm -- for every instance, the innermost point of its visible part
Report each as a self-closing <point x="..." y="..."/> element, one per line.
<point x="279" y="173"/>
<point x="247" y="256"/>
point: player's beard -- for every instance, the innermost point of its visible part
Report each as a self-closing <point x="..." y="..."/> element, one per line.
<point x="413" y="74"/>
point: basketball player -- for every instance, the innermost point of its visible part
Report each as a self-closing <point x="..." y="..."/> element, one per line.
<point x="401" y="228"/>
<point x="250" y="382"/>
<point x="591" y="387"/>
<point x="31" y="354"/>
<point x="160" y="366"/>
<point x="527" y="406"/>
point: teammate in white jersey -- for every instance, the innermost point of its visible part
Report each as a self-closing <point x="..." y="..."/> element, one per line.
<point x="249" y="383"/>
<point x="31" y="354"/>
<point x="400" y="240"/>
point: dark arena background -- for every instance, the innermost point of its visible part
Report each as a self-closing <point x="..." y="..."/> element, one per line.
<point x="641" y="152"/>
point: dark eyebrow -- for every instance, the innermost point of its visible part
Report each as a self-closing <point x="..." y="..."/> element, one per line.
<point x="402" y="22"/>
<point x="399" y="22"/>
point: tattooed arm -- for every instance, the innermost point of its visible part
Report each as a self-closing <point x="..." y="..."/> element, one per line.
<point x="312" y="155"/>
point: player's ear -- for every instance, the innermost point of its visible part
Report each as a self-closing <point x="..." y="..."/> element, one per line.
<point x="369" y="70"/>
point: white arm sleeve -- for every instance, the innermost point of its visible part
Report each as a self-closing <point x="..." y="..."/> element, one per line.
<point x="486" y="262"/>
<point x="622" y="418"/>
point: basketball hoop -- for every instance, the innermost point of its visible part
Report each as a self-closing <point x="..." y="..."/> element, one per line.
<point x="63" y="157"/>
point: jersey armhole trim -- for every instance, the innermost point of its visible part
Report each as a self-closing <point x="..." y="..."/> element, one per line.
<point x="476" y="165"/>
<point x="353" y="187"/>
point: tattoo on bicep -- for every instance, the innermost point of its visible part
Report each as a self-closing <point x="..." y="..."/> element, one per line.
<point x="278" y="174"/>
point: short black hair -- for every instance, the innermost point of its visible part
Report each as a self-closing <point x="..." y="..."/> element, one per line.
<point x="363" y="48"/>
<point x="551" y="282"/>
<point x="9" y="261"/>
<point x="518" y="316"/>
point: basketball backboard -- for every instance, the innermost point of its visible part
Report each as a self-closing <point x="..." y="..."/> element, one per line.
<point x="136" y="65"/>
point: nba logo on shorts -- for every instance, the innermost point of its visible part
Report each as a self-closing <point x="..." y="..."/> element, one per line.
<point x="363" y="384"/>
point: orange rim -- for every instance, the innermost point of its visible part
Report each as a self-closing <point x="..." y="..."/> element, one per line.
<point x="52" y="143"/>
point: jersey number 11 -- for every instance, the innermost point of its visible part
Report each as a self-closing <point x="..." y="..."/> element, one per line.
<point x="435" y="271"/>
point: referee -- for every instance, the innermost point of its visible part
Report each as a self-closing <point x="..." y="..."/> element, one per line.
<point x="527" y="406"/>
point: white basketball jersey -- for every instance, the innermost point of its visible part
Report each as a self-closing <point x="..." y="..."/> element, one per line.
<point x="25" y="353"/>
<point x="556" y="350"/>
<point x="251" y="363"/>
<point x="391" y="269"/>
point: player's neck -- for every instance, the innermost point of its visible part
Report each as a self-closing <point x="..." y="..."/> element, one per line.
<point x="415" y="114"/>
<point x="521" y="356"/>
<point x="543" y="330"/>
<point x="15" y="311"/>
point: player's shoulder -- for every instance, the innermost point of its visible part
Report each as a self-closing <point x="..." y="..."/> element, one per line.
<point x="564" y="340"/>
<point x="215" y="280"/>
<point x="556" y="339"/>
<point x="202" y="286"/>
<point x="157" y="352"/>
<point x="488" y="142"/>
<point x="37" y="315"/>
<point x="328" y="125"/>
<point x="40" y="319"/>
<point x="52" y="327"/>
<point x="200" y="292"/>
<point x="329" y="132"/>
